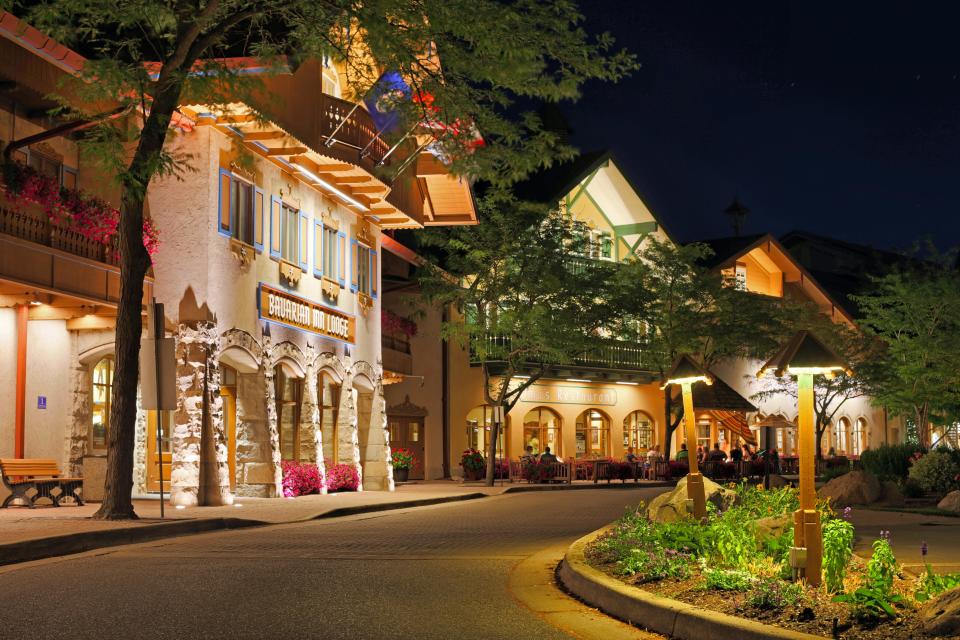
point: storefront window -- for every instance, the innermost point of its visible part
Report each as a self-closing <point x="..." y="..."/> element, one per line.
<point x="593" y="434"/>
<point x="541" y="429"/>
<point x="101" y="397"/>
<point x="637" y="431"/>
<point x="289" y="391"/>
<point x="479" y="428"/>
<point x="328" y="393"/>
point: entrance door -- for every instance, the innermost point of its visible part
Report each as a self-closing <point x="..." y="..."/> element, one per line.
<point x="407" y="433"/>
<point x="228" y="393"/>
<point x="154" y="458"/>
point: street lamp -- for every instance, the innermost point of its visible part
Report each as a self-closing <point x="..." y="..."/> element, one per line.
<point x="685" y="372"/>
<point x="804" y="356"/>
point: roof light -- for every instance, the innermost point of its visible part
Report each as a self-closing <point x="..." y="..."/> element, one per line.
<point x="329" y="187"/>
<point x="632" y="384"/>
<point x="578" y="380"/>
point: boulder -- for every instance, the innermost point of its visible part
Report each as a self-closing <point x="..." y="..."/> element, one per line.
<point x="772" y="527"/>
<point x="856" y="487"/>
<point x="778" y="481"/>
<point x="890" y="494"/>
<point x="950" y="502"/>
<point x="941" y="616"/>
<point x="672" y="505"/>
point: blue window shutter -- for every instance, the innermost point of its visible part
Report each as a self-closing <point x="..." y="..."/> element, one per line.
<point x="259" y="209"/>
<point x="354" y="263"/>
<point x="342" y="258"/>
<point x="374" y="276"/>
<point x="303" y="241"/>
<point x="275" y="210"/>
<point x="318" y="248"/>
<point x="224" y="219"/>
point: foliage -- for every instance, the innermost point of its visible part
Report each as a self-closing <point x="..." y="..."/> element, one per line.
<point x="935" y="472"/>
<point x="837" y="550"/>
<point x="537" y="472"/>
<point x="763" y="503"/>
<point x="472" y="459"/>
<point x="911" y="489"/>
<point x="876" y="598"/>
<point x="402" y="458"/>
<point x="300" y="478"/>
<point x="773" y="593"/>
<point x="649" y="565"/>
<point x="728" y="579"/>
<point x="396" y="325"/>
<point x="916" y="313"/>
<point x="72" y="209"/>
<point x="931" y="584"/>
<point x="733" y="538"/>
<point x="343" y="477"/>
<point x="889" y="461"/>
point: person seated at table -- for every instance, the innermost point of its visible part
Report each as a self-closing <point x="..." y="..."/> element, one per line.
<point x="701" y="455"/>
<point x="528" y="455"/>
<point x="683" y="454"/>
<point x="747" y="453"/>
<point x="832" y="453"/>
<point x="736" y="454"/>
<point x="546" y="457"/>
<point x="653" y="454"/>
<point x="631" y="456"/>
<point x="717" y="454"/>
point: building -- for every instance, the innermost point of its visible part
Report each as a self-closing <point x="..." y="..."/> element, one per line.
<point x="269" y="270"/>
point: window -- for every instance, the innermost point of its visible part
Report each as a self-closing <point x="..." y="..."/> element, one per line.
<point x="841" y="436"/>
<point x="637" y="431"/>
<point x="703" y="433"/>
<point x="541" y="429"/>
<point x="46" y="165"/>
<point x="364" y="276"/>
<point x="859" y="440"/>
<point x="479" y="428"/>
<point x="289" y="392"/>
<point x="289" y="236"/>
<point x="740" y="277"/>
<point x="240" y="212"/>
<point x="328" y="394"/>
<point x="100" y="403"/>
<point x="330" y="248"/>
<point x="593" y="434"/>
<point x="330" y="82"/>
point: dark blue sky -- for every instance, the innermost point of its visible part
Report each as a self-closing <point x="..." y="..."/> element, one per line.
<point x="841" y="118"/>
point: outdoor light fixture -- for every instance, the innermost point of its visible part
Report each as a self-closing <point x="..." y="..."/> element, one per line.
<point x="329" y="187"/>
<point x="522" y="377"/>
<point x="578" y="380"/>
<point x="685" y="372"/>
<point x="804" y="356"/>
<point x="632" y="384"/>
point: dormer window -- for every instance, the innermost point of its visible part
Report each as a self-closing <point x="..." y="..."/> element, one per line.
<point x="740" y="277"/>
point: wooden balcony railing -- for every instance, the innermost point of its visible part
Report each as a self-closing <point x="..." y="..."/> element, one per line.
<point x="28" y="222"/>
<point x="604" y="353"/>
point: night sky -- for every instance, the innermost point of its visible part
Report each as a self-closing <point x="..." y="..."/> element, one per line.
<point x="827" y="117"/>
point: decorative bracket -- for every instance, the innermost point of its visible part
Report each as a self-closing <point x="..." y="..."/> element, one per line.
<point x="243" y="252"/>
<point x="290" y="272"/>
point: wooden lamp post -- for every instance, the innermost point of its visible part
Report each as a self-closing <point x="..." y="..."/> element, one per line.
<point x="804" y="356"/>
<point x="685" y="372"/>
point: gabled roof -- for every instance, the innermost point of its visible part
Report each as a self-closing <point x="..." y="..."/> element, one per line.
<point x="718" y="396"/>
<point x="725" y="248"/>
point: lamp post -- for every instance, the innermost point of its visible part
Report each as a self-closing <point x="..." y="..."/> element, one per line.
<point x="685" y="372"/>
<point x="804" y="356"/>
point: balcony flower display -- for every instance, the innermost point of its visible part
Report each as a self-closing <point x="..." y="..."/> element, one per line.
<point x="396" y="325"/>
<point x="72" y="209"/>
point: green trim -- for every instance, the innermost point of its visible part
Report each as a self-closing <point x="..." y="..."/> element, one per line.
<point x="635" y="227"/>
<point x="594" y="203"/>
<point x="583" y="190"/>
<point x="636" y="245"/>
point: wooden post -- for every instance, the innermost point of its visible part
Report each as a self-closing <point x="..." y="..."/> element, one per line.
<point x="807" y="513"/>
<point x="23" y="315"/>
<point x="695" y="489"/>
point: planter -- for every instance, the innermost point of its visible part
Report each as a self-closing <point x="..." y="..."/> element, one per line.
<point x="401" y="475"/>
<point x="471" y="475"/>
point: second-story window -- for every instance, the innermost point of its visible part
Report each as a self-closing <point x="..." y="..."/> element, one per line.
<point x="241" y="210"/>
<point x="330" y="248"/>
<point x="289" y="238"/>
<point x="45" y="164"/>
<point x="740" y="277"/>
<point x="364" y="269"/>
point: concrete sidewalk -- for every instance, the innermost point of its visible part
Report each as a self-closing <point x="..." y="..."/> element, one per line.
<point x="908" y="531"/>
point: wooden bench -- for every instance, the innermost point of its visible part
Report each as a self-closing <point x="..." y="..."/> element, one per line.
<point x="43" y="476"/>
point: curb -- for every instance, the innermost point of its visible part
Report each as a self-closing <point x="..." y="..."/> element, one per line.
<point x="391" y="506"/>
<point x="663" y="615"/>
<point x="585" y="487"/>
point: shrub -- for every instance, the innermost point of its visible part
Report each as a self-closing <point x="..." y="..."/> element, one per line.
<point x="837" y="549"/>
<point x="472" y="460"/>
<point x="300" y="478"/>
<point x="728" y="579"/>
<point x="343" y="477"/>
<point x="931" y="584"/>
<point x="732" y="538"/>
<point x="911" y="489"/>
<point x="889" y="461"/>
<point x="935" y="472"/>
<point x="648" y="565"/>
<point x="876" y="598"/>
<point x="537" y="472"/>
<point x="772" y="593"/>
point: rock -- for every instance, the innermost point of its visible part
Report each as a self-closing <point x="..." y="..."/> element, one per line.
<point x="950" y="502"/>
<point x="778" y="481"/>
<point x="890" y="494"/>
<point x="672" y="505"/>
<point x="941" y="616"/>
<point x="856" y="487"/>
<point x="772" y="527"/>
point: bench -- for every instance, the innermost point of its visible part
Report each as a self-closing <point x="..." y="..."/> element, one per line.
<point x="40" y="475"/>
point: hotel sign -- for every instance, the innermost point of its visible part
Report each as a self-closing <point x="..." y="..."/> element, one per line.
<point x="293" y="311"/>
<point x="569" y="395"/>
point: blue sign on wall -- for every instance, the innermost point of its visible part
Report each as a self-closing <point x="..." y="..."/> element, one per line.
<point x="41" y="402"/>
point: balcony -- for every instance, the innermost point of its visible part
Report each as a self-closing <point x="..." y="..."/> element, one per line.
<point x="604" y="356"/>
<point x="396" y="354"/>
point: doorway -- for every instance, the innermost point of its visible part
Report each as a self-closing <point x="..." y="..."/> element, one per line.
<point x="407" y="433"/>
<point x="228" y="395"/>
<point x="158" y="462"/>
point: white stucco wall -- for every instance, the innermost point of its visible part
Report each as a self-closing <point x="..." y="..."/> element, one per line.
<point x="8" y="379"/>
<point x="48" y="374"/>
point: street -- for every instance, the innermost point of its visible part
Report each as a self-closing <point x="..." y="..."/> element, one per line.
<point x="430" y="572"/>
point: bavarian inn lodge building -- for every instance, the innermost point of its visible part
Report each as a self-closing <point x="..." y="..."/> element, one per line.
<point x="269" y="272"/>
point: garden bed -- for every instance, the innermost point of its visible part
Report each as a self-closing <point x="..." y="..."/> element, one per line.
<point x="736" y="564"/>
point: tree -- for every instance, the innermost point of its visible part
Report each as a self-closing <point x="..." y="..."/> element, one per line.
<point x="677" y="305"/>
<point x="915" y="311"/>
<point x="525" y="299"/>
<point x="493" y="54"/>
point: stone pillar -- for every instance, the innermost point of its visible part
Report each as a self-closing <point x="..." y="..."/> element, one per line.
<point x="198" y="427"/>
<point x="78" y="429"/>
<point x="311" y="439"/>
<point x="348" y="448"/>
<point x="273" y="426"/>
<point x="255" y="477"/>
<point x="140" y="449"/>
<point x="374" y="441"/>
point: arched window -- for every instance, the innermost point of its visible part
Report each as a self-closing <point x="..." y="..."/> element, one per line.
<point x="637" y="431"/>
<point x="328" y="396"/>
<point x="100" y="403"/>
<point x="841" y="436"/>
<point x="859" y="440"/>
<point x="330" y="83"/>
<point x="289" y="393"/>
<point x="479" y="428"/>
<point x="541" y="429"/>
<point x="593" y="434"/>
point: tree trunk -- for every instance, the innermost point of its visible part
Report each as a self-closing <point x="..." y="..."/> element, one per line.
<point x="670" y="427"/>
<point x="492" y="453"/>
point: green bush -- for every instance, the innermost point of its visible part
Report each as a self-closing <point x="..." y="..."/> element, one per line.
<point x="731" y="538"/>
<point x="773" y="593"/>
<point x="889" y="461"/>
<point x="837" y="549"/>
<point x="935" y="472"/>
<point x="876" y="598"/>
<point x="647" y="565"/>
<point x="932" y="584"/>
<point x="911" y="489"/>
<point x="728" y="579"/>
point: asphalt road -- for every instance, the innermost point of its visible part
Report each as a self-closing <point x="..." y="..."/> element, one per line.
<point x="432" y="572"/>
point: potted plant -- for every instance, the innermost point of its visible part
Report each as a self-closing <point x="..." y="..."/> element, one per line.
<point x="474" y="465"/>
<point x="402" y="461"/>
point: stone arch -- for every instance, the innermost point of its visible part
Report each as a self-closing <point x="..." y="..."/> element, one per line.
<point x="330" y="362"/>
<point x="240" y="350"/>
<point x="97" y="353"/>
<point x="366" y="370"/>
<point x="288" y="353"/>
<point x="373" y="441"/>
